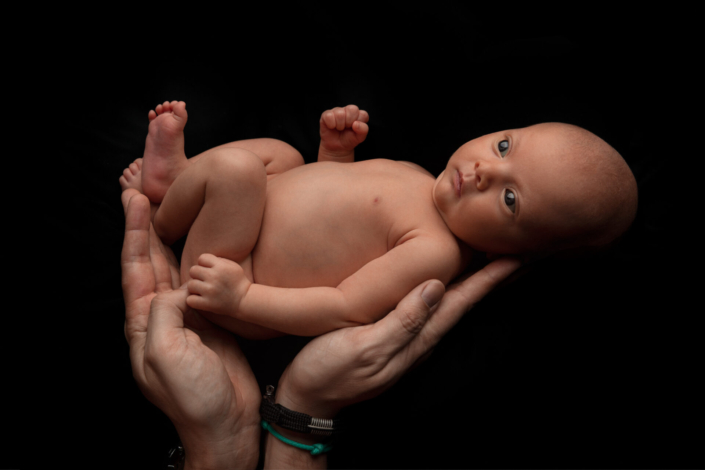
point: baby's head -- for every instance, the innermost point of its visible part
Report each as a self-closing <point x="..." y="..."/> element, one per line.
<point x="538" y="190"/>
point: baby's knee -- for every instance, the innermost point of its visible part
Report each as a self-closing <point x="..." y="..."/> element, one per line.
<point x="236" y="163"/>
<point x="283" y="150"/>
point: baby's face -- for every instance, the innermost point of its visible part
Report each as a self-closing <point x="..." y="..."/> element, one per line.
<point x="508" y="192"/>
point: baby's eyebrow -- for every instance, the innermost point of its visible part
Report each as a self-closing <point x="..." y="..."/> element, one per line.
<point x="514" y="141"/>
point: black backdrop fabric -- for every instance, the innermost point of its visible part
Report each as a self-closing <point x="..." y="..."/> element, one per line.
<point x="583" y="364"/>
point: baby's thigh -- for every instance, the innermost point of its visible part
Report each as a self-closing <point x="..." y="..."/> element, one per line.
<point x="229" y="221"/>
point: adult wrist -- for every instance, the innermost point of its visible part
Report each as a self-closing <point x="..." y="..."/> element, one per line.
<point x="292" y="399"/>
<point x="227" y="450"/>
<point x="287" y="448"/>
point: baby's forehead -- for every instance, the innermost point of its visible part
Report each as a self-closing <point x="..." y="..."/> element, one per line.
<point x="546" y="143"/>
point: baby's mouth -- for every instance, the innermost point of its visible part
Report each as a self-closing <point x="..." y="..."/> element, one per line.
<point x="458" y="182"/>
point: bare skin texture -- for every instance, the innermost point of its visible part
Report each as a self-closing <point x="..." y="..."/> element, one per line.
<point x="277" y="247"/>
<point x="196" y="373"/>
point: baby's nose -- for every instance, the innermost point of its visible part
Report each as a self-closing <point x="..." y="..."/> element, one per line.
<point x="488" y="173"/>
<point x="482" y="175"/>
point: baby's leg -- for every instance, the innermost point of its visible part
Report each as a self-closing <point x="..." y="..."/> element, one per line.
<point x="164" y="158"/>
<point x="219" y="202"/>
<point x="221" y="197"/>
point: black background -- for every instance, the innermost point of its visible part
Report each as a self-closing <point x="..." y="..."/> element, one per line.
<point x="583" y="364"/>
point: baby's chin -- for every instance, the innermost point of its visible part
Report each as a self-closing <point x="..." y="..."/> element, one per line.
<point x="435" y="185"/>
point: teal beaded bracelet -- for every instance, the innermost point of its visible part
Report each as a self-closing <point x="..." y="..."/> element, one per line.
<point x="315" y="449"/>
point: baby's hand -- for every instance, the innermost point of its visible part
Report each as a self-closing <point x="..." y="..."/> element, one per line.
<point x="342" y="129"/>
<point x="218" y="285"/>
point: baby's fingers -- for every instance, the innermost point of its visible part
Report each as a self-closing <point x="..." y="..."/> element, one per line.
<point x="352" y="113"/>
<point x="198" y="272"/>
<point x="361" y="129"/>
<point x="197" y="287"/>
<point x="328" y="119"/>
<point x="357" y="136"/>
<point x="363" y="116"/>
<point x="198" y="302"/>
<point x="207" y="260"/>
<point x="343" y="118"/>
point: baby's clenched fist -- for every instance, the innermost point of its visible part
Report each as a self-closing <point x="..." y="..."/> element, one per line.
<point x="217" y="285"/>
<point x="342" y="129"/>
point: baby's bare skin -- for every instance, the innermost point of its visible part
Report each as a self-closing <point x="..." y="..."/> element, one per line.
<point x="351" y="239"/>
<point x="275" y="247"/>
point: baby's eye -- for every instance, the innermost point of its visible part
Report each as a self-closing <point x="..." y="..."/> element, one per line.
<point x="503" y="147"/>
<point x="510" y="200"/>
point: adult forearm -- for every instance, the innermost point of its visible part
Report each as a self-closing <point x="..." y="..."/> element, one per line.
<point x="306" y="312"/>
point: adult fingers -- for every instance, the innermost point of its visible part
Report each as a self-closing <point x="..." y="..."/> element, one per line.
<point x="171" y="260"/>
<point x="137" y="276"/>
<point x="166" y="315"/>
<point x="478" y="285"/>
<point x="162" y="272"/>
<point x="404" y="323"/>
<point x="137" y="271"/>
<point x="125" y="197"/>
<point x="461" y="297"/>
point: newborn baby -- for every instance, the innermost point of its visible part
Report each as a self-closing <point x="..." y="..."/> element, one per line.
<point x="278" y="247"/>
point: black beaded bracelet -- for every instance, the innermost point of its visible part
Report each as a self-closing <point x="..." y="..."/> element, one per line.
<point x="274" y="413"/>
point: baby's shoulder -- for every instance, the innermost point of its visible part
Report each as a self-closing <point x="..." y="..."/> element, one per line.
<point x="416" y="167"/>
<point x="382" y="164"/>
<point x="434" y="250"/>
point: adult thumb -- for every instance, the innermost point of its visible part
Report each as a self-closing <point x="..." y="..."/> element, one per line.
<point x="406" y="321"/>
<point x="433" y="293"/>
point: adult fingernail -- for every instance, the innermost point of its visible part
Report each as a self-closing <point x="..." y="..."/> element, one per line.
<point x="432" y="293"/>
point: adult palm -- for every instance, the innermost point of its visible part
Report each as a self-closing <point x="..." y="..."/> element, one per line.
<point x="189" y="368"/>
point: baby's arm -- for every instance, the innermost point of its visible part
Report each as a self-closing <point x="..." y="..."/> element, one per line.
<point x="342" y="129"/>
<point x="220" y="286"/>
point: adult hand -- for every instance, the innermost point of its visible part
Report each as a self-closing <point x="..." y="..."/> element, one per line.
<point x="350" y="365"/>
<point x="198" y="375"/>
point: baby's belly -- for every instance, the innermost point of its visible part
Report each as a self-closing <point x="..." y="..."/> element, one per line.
<point x="320" y="226"/>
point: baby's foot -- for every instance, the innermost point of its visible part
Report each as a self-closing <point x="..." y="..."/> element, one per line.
<point x="131" y="184"/>
<point x="164" y="156"/>
<point x="132" y="176"/>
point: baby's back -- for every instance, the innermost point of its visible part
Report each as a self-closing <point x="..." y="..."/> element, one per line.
<point x="324" y="221"/>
